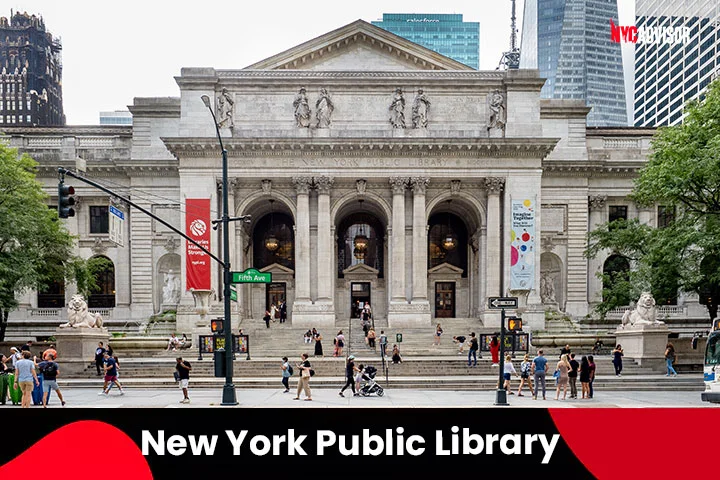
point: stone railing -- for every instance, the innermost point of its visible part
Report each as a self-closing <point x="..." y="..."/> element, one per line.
<point x="621" y="143"/>
<point x="45" y="312"/>
<point x="104" y="312"/>
<point x="663" y="311"/>
<point x="96" y="142"/>
<point x="44" y="142"/>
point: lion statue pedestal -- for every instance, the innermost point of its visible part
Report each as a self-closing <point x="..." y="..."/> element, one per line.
<point x="642" y="336"/>
<point x="77" y="339"/>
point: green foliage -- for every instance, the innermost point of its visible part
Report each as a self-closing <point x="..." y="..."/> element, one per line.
<point x="683" y="172"/>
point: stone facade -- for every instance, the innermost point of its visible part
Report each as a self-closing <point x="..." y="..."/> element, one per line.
<point x="410" y="181"/>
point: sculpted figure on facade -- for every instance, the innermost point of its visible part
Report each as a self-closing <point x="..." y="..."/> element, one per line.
<point x="596" y="202"/>
<point x="644" y="313"/>
<point x="397" y="109"/>
<point x="302" y="109"/>
<point x="324" y="109"/>
<point x="361" y="185"/>
<point x="497" y="110"/>
<point x="266" y="186"/>
<point x="420" y="110"/>
<point x="80" y="316"/>
<point x="225" y="106"/>
<point x="171" y="289"/>
<point x="547" y="288"/>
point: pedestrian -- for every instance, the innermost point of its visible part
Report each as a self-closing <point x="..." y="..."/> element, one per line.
<point x="50" y="351"/>
<point x="110" y="351"/>
<point x="173" y="342"/>
<point x="572" y="375"/>
<point x="111" y="372"/>
<point x="358" y="377"/>
<point x="495" y="351"/>
<point x="396" y="358"/>
<point x="318" y="343"/>
<point x="283" y="312"/>
<point x="563" y="367"/>
<point x="27" y="346"/>
<point x="539" y="367"/>
<point x="339" y="343"/>
<point x="183" y="368"/>
<point x="304" y="382"/>
<point x="383" y="344"/>
<point x="307" y="338"/>
<point x="274" y="313"/>
<point x="99" y="357"/>
<point x="670" y="359"/>
<point x="371" y="338"/>
<point x="15" y="355"/>
<point x="585" y="377"/>
<point x="50" y="370"/>
<point x="591" y="363"/>
<point x="525" y="369"/>
<point x="266" y="317"/>
<point x="472" y="353"/>
<point x="438" y="334"/>
<point x="617" y="360"/>
<point x="459" y="340"/>
<point x="508" y="372"/>
<point x="25" y="377"/>
<point x="287" y="371"/>
<point x="3" y="364"/>
<point x="565" y="350"/>
<point x="350" y="371"/>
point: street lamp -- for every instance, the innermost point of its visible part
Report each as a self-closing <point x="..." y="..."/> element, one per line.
<point x="229" y="397"/>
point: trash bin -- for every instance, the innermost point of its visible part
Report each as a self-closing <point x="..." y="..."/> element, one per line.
<point x="3" y="388"/>
<point x="219" y="358"/>
<point x="37" y="392"/>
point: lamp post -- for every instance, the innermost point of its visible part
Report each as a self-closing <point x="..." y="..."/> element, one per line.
<point x="229" y="397"/>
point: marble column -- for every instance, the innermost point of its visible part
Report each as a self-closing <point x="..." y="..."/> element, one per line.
<point x="596" y="204"/>
<point x="494" y="256"/>
<point x="324" y="244"/>
<point x="239" y="265"/>
<point x="397" y="286"/>
<point x="419" y="246"/>
<point x="302" y="240"/>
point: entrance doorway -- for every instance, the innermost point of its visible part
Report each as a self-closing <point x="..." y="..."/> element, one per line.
<point x="359" y="296"/>
<point x="444" y="299"/>
<point x="275" y="295"/>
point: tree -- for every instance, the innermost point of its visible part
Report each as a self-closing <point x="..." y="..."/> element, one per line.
<point x="683" y="173"/>
<point x="35" y="248"/>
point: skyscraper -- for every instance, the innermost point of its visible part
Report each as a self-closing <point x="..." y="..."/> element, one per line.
<point x="31" y="78"/>
<point x="668" y="73"/>
<point x="569" y="42"/>
<point x="446" y="34"/>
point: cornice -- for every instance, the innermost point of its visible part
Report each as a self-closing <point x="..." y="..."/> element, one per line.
<point x="104" y="130"/>
<point x="586" y="169"/>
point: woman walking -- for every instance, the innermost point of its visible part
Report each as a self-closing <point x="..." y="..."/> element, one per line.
<point x="585" y="377"/>
<point x="525" y="369"/>
<point x="304" y="382"/>
<point x="670" y="359"/>
<point x="438" y="333"/>
<point x="591" y="363"/>
<point x="495" y="351"/>
<point x="508" y="371"/>
<point x="563" y="366"/>
<point x="318" y="343"/>
<point x="617" y="360"/>
<point x="339" y="343"/>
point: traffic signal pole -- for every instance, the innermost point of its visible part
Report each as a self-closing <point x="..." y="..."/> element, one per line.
<point x="501" y="394"/>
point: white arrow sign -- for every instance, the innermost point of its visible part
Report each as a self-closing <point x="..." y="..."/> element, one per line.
<point x="502" y="302"/>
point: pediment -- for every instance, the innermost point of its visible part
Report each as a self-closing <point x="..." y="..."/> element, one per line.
<point x="359" y="46"/>
<point x="447" y="269"/>
<point x="361" y="268"/>
<point x="276" y="268"/>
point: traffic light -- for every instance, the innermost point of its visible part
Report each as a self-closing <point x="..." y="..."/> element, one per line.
<point x="514" y="324"/>
<point x="65" y="200"/>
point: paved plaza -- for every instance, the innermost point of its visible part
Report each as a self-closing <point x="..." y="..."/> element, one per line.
<point x="400" y="398"/>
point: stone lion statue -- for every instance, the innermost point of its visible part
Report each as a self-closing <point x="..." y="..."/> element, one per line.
<point x="644" y="313"/>
<point x="80" y="316"/>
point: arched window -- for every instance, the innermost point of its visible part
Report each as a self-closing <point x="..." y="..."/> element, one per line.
<point x="366" y="229"/>
<point x="52" y="293"/>
<point x="104" y="294"/>
<point x="615" y="269"/>
<point x="447" y="241"/>
<point x="274" y="241"/>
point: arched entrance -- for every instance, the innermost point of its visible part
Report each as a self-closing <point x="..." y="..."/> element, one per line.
<point x="448" y="259"/>
<point x="616" y="270"/>
<point x="104" y="271"/>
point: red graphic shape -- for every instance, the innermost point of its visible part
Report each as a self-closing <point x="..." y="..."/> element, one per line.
<point x="639" y="443"/>
<point x="514" y="256"/>
<point x="77" y="455"/>
<point x="525" y="237"/>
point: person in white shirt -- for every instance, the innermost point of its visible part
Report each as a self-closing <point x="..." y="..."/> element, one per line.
<point x="508" y="371"/>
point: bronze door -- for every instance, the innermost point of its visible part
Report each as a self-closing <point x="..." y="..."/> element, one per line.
<point x="444" y="299"/>
<point x="359" y="296"/>
<point x="275" y="294"/>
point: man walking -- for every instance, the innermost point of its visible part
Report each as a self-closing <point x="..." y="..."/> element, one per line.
<point x="26" y="377"/>
<point x="183" y="368"/>
<point x="539" y="367"/>
<point x="99" y="357"/>
<point x="286" y="373"/>
<point x="50" y="371"/>
<point x="572" y="375"/>
<point x="110" y="369"/>
<point x="383" y="344"/>
<point x="283" y="312"/>
<point x="350" y="370"/>
<point x="472" y="353"/>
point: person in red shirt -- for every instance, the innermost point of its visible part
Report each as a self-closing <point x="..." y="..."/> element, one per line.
<point x="495" y="351"/>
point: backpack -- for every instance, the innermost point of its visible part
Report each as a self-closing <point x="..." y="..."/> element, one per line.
<point x="50" y="369"/>
<point x="290" y="369"/>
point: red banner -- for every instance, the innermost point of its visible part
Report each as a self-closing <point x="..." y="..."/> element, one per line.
<point x="197" y="227"/>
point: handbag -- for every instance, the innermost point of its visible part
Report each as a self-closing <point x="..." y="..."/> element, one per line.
<point x="556" y="374"/>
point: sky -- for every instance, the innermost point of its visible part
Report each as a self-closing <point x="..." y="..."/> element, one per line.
<point x="115" y="51"/>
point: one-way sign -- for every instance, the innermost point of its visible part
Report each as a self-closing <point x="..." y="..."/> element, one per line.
<point x="498" y="303"/>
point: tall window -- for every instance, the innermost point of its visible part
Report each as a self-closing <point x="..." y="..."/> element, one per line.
<point x="273" y="241"/>
<point x="618" y="212"/>
<point x="99" y="222"/>
<point x="665" y="216"/>
<point x="447" y="241"/>
<point x="104" y="271"/>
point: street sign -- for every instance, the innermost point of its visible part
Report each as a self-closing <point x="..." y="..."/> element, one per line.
<point x="233" y="294"/>
<point x="497" y="303"/>
<point x="116" y="225"/>
<point x="251" y="275"/>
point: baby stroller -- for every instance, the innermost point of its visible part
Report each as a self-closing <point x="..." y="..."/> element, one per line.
<point x="370" y="386"/>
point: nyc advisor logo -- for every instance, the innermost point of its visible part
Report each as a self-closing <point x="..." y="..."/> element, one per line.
<point x="649" y="35"/>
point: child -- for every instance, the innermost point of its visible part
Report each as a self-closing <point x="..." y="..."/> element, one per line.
<point x="307" y="338"/>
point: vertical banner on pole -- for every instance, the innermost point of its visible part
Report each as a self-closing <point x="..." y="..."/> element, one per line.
<point x="522" y="244"/>
<point x="197" y="227"/>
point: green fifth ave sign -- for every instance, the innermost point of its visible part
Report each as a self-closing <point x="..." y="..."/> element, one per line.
<point x="251" y="275"/>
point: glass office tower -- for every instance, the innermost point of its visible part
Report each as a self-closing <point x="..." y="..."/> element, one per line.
<point x="446" y="34"/>
<point x="569" y="42"/>
<point x="669" y="74"/>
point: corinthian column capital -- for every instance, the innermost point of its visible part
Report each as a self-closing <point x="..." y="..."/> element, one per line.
<point x="324" y="184"/>
<point x="302" y="185"/>
<point x="419" y="185"/>
<point x="398" y="184"/>
<point x="494" y="185"/>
